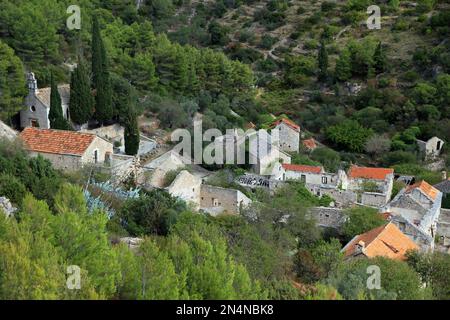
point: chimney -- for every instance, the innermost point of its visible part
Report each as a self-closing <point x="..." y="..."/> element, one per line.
<point x="32" y="83"/>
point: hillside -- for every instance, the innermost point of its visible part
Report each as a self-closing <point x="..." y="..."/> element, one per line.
<point x="365" y="120"/>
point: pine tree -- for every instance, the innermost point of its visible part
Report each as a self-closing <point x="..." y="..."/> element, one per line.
<point x="379" y="59"/>
<point x="81" y="100"/>
<point x="101" y="79"/>
<point x="131" y="133"/>
<point x="55" y="115"/>
<point x="323" y="62"/>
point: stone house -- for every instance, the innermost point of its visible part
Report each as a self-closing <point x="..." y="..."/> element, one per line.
<point x="217" y="200"/>
<point x="159" y="167"/>
<point x="211" y="199"/>
<point x="416" y="210"/>
<point x="431" y="148"/>
<point x="186" y="187"/>
<point x="37" y="104"/>
<point x="66" y="150"/>
<point x="373" y="186"/>
<point x="385" y="241"/>
<point x="289" y="134"/>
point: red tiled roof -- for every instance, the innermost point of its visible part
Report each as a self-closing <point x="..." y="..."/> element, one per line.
<point x="387" y="241"/>
<point x="288" y="122"/>
<point x="425" y="187"/>
<point x="310" y="143"/>
<point x="302" y="168"/>
<point x="56" y="141"/>
<point x="369" y="173"/>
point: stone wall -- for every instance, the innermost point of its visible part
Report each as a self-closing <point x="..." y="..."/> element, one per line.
<point x="61" y="162"/>
<point x="216" y="200"/>
<point x="40" y="113"/>
<point x="114" y="132"/>
<point x="328" y="217"/>
<point x="289" y="138"/>
<point x="102" y="147"/>
<point x="186" y="187"/>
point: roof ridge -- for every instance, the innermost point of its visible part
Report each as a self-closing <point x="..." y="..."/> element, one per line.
<point x="382" y="230"/>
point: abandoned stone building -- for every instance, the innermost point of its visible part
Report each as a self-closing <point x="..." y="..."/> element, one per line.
<point x="66" y="150"/>
<point x="217" y="200"/>
<point x="37" y="104"/>
<point x="186" y="187"/>
<point x="416" y="210"/>
<point x="385" y="241"/>
<point x="431" y="148"/>
<point x="159" y="167"/>
<point x="264" y="154"/>
<point x="327" y="217"/>
<point x="211" y="199"/>
<point x="373" y="186"/>
<point x="289" y="134"/>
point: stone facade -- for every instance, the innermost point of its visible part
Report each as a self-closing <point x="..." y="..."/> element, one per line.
<point x="186" y="187"/>
<point x="211" y="199"/>
<point x="431" y="148"/>
<point x="37" y="104"/>
<point x="289" y="136"/>
<point x="328" y="217"/>
<point x="217" y="200"/>
<point x="158" y="168"/>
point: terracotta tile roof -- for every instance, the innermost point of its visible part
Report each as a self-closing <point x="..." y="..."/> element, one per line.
<point x="288" y="122"/>
<point x="369" y="173"/>
<point x="425" y="188"/>
<point x="56" y="141"/>
<point x="302" y="168"/>
<point x="387" y="241"/>
<point x="310" y="143"/>
<point x="43" y="94"/>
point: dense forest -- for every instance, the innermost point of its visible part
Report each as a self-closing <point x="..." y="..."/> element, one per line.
<point x="235" y="61"/>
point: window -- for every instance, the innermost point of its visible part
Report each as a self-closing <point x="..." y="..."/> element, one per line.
<point x="34" y="123"/>
<point x="33" y="109"/>
<point x="95" y="156"/>
<point x="324" y="180"/>
<point x="303" y="178"/>
<point x="215" y="202"/>
<point x="438" y="146"/>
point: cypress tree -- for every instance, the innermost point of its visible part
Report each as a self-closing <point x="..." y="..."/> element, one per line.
<point x="81" y="100"/>
<point x="101" y="79"/>
<point x="343" y="69"/>
<point x="379" y="59"/>
<point x="131" y="133"/>
<point x="55" y="115"/>
<point x="323" y="62"/>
